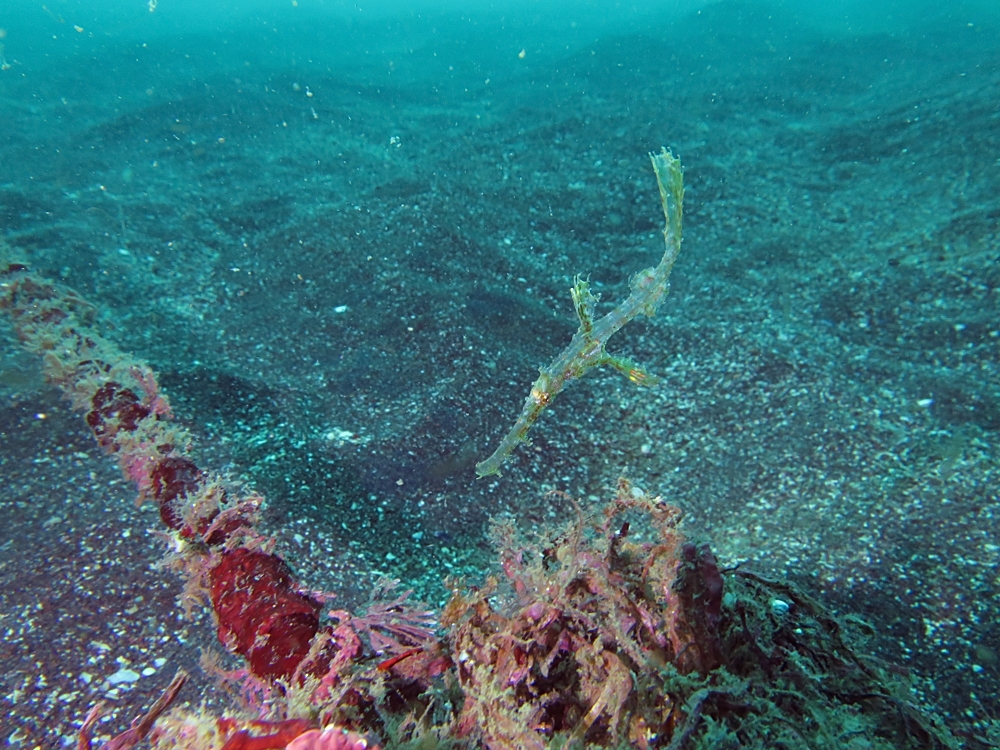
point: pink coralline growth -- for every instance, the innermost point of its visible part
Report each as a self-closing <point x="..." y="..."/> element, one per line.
<point x="189" y="731"/>
<point x="331" y="738"/>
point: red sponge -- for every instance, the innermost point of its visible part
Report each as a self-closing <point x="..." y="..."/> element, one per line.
<point x="260" y="613"/>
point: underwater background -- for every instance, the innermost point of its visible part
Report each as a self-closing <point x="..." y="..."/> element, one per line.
<point x="344" y="236"/>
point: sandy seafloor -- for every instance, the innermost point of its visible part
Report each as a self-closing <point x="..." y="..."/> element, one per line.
<point x="346" y="247"/>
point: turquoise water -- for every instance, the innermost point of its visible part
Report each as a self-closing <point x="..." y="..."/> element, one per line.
<point x="344" y="236"/>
